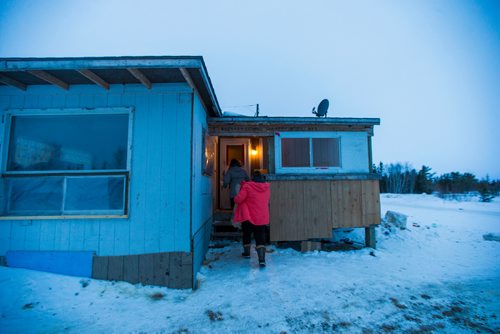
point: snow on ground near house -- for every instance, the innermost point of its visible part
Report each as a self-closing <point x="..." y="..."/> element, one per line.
<point x="438" y="275"/>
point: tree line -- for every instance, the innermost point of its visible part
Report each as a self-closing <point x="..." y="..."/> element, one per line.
<point x="404" y="179"/>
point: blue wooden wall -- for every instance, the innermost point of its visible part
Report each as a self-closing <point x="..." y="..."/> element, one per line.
<point x="159" y="216"/>
<point x="202" y="190"/>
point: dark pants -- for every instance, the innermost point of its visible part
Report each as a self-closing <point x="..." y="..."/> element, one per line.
<point x="259" y="233"/>
<point x="232" y="202"/>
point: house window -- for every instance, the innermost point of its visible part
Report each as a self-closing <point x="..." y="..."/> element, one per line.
<point x="307" y="152"/>
<point x="295" y="152"/>
<point x="67" y="162"/>
<point x="325" y="152"/>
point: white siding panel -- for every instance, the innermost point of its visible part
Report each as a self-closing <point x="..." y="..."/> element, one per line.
<point x="354" y="150"/>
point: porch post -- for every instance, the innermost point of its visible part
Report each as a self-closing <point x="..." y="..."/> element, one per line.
<point x="370" y="239"/>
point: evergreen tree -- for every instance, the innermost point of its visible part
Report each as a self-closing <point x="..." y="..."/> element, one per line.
<point x="423" y="182"/>
<point x="487" y="190"/>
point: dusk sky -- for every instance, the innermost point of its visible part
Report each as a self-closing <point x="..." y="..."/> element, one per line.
<point x="430" y="70"/>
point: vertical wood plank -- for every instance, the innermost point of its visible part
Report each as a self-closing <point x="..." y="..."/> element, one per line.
<point x="18" y="235"/>
<point x="182" y="180"/>
<point x="72" y="101"/>
<point x="356" y="205"/>
<point x="152" y="170"/>
<point x="334" y="190"/>
<point x="371" y="205"/>
<point x="47" y="235"/>
<point x="45" y="101"/>
<point x="180" y="274"/>
<point x="162" y="269"/>
<point x="131" y="269"/>
<point x="32" y="235"/>
<point x="100" y="267"/>
<point x="77" y="234"/>
<point x="146" y="269"/>
<point x="138" y="173"/>
<point x="100" y="101"/>
<point x="370" y="237"/>
<point x="168" y="164"/>
<point x="290" y="200"/>
<point x="31" y="101"/>
<point x="317" y="209"/>
<point x="115" y="268"/>
<point x="91" y="235"/>
<point x="106" y="237"/>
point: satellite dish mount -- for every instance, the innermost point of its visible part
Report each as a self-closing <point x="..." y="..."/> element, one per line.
<point x="322" y="108"/>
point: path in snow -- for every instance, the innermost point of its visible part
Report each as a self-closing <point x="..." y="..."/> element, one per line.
<point x="439" y="275"/>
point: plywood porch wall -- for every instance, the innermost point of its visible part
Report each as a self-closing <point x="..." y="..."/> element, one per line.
<point x="307" y="209"/>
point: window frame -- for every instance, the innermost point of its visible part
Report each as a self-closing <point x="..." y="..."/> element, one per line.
<point x="280" y="169"/>
<point x="9" y="114"/>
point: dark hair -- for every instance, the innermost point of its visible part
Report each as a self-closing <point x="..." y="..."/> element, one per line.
<point x="235" y="162"/>
<point x="258" y="177"/>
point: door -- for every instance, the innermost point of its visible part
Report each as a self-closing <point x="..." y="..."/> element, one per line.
<point x="231" y="148"/>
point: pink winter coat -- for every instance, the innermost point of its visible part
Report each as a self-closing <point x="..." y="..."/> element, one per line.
<point x="252" y="203"/>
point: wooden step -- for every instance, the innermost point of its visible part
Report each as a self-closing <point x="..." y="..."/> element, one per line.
<point x="224" y="229"/>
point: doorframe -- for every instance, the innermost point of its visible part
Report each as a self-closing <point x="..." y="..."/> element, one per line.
<point x="223" y="143"/>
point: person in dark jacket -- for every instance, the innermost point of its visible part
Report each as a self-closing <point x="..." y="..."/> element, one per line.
<point x="252" y="210"/>
<point x="233" y="178"/>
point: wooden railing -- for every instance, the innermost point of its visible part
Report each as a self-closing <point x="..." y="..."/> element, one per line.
<point x="307" y="209"/>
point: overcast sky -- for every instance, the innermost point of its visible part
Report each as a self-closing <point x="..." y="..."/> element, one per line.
<point x="430" y="70"/>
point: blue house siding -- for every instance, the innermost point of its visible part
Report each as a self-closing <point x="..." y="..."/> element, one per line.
<point x="159" y="194"/>
<point x="202" y="190"/>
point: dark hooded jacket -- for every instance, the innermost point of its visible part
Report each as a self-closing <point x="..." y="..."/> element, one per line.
<point x="233" y="178"/>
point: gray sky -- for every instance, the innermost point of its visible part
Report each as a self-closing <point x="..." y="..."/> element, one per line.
<point x="429" y="69"/>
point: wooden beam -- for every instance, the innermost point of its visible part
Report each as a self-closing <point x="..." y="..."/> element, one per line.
<point x="140" y="76"/>
<point x="12" y="82"/>
<point x="191" y="84"/>
<point x="187" y="77"/>
<point x="94" y="78"/>
<point x="49" y="78"/>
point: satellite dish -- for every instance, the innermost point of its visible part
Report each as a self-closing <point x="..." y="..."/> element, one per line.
<point x="322" y="108"/>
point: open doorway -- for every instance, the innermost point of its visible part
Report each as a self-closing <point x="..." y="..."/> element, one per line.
<point x="232" y="148"/>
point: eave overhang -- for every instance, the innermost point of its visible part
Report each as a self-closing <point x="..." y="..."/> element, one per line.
<point x="22" y="73"/>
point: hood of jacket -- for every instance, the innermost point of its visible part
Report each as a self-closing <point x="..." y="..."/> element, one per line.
<point x="257" y="186"/>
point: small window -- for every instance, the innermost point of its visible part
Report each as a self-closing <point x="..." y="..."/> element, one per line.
<point x="325" y="152"/>
<point x="308" y="153"/>
<point x="295" y="152"/>
<point x="67" y="162"/>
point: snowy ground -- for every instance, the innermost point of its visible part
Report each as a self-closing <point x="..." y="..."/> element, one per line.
<point x="439" y="275"/>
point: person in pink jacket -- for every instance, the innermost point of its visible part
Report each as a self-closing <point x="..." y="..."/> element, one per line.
<point x="252" y="211"/>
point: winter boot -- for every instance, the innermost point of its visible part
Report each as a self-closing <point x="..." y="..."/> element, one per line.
<point x="246" y="251"/>
<point x="261" y="252"/>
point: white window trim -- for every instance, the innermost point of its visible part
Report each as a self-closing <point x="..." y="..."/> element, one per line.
<point x="90" y="173"/>
<point x="305" y="170"/>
